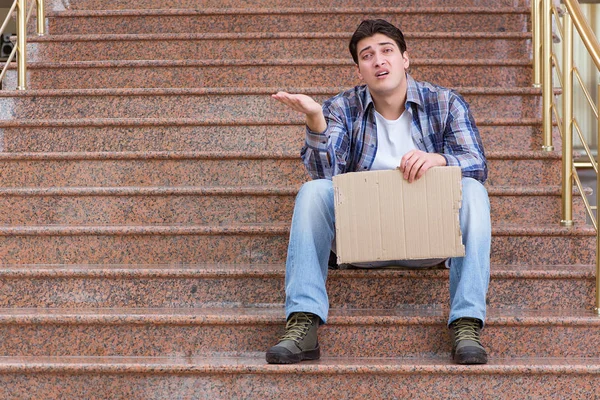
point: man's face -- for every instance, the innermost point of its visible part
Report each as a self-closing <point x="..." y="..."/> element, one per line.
<point x="381" y="65"/>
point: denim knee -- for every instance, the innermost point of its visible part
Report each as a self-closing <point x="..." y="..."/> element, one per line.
<point x="475" y="210"/>
<point x="318" y="192"/>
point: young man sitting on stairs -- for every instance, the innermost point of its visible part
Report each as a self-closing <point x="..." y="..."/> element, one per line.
<point x="391" y="122"/>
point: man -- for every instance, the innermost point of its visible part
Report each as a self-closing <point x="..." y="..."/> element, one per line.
<point x="391" y="122"/>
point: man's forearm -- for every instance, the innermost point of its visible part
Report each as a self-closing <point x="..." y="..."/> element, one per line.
<point x="316" y="122"/>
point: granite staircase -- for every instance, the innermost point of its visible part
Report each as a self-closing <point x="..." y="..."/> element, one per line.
<point x="147" y="181"/>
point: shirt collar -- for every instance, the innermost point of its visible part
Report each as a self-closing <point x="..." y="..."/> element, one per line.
<point x="413" y="94"/>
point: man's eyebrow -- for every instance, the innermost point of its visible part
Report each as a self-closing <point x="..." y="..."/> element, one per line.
<point x="379" y="44"/>
<point x="366" y="48"/>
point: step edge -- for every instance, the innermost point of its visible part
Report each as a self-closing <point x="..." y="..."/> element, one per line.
<point x="516" y="36"/>
<point x="267" y="63"/>
<point x="233" y="155"/>
<point x="100" y="272"/>
<point x="134" y="122"/>
<point x="207" y="190"/>
<point x="235" y="91"/>
<point x="327" y="366"/>
<point x="237" y="229"/>
<point x="274" y="315"/>
<point x="286" y="10"/>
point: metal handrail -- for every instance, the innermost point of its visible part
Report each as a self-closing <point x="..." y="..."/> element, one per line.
<point x="586" y="202"/>
<point x="544" y="60"/>
<point x="20" y="49"/>
<point x="585" y="31"/>
<point x="586" y="92"/>
<point x="593" y="164"/>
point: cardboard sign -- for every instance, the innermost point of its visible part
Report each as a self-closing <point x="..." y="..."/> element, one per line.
<point x="380" y="216"/>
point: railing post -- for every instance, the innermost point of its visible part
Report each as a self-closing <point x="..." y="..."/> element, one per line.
<point x="41" y="19"/>
<point x="547" y="90"/>
<point x="22" y="44"/>
<point x="567" y="149"/>
<point x="597" y="306"/>
<point x="536" y="34"/>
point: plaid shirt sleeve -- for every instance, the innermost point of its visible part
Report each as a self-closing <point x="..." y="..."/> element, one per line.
<point x="462" y="143"/>
<point x="325" y="154"/>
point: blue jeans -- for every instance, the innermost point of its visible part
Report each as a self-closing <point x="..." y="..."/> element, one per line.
<point x="313" y="230"/>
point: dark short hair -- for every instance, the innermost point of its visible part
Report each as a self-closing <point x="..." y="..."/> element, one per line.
<point x="371" y="27"/>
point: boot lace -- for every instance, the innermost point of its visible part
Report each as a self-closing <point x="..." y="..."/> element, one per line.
<point x="297" y="327"/>
<point x="466" y="329"/>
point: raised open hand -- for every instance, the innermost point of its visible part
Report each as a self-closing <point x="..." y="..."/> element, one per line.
<point x="299" y="102"/>
<point x="306" y="105"/>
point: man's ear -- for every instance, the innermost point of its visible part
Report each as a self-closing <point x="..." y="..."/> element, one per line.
<point x="358" y="72"/>
<point x="406" y="60"/>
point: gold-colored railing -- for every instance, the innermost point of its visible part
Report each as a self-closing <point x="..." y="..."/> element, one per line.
<point x="20" y="49"/>
<point x="546" y="63"/>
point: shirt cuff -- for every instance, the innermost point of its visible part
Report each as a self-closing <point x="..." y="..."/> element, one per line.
<point x="451" y="161"/>
<point x="315" y="140"/>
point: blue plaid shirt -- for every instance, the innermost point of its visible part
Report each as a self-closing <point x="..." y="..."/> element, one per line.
<point x="441" y="123"/>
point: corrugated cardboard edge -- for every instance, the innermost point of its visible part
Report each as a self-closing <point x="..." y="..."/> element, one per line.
<point x="346" y="250"/>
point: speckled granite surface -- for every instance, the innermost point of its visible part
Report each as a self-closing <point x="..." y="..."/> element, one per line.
<point x="234" y="331"/>
<point x="169" y="134"/>
<point x="283" y="73"/>
<point x="194" y="4"/>
<point x="223" y="108"/>
<point x="259" y="46"/>
<point x="506" y="168"/>
<point x="434" y="19"/>
<point x="221" y="205"/>
<point x="195" y="169"/>
<point x="234" y="378"/>
<point x="200" y="286"/>
<point x="154" y="222"/>
<point x="245" y="243"/>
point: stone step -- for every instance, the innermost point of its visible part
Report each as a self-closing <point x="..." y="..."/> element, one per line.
<point x="248" y="376"/>
<point x="517" y="204"/>
<point x="265" y="19"/>
<point x="543" y="287"/>
<point x="200" y="4"/>
<point x="540" y="244"/>
<point x="533" y="168"/>
<point x="171" y="134"/>
<point x="261" y="46"/>
<point x="258" y="73"/>
<point x="520" y="168"/>
<point x="139" y="332"/>
<point x="221" y="205"/>
<point x="221" y="106"/>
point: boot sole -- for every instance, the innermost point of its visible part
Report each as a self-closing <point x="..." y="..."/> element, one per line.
<point x="290" y="358"/>
<point x="470" y="358"/>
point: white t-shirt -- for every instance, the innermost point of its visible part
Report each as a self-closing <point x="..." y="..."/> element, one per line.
<point x="393" y="141"/>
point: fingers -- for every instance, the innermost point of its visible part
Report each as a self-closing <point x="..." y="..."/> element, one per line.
<point x="417" y="169"/>
<point x="414" y="164"/>
<point x="288" y="99"/>
<point x="298" y="102"/>
<point x="407" y="161"/>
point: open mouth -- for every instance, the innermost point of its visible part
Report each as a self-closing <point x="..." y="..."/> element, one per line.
<point x="380" y="74"/>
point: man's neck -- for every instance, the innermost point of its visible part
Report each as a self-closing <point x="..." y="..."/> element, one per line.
<point x="390" y="107"/>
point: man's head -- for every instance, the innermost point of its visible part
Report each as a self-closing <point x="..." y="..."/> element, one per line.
<point x="379" y="51"/>
<point x="371" y="27"/>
